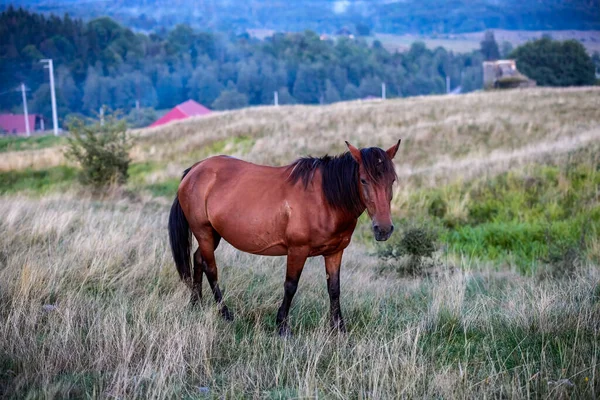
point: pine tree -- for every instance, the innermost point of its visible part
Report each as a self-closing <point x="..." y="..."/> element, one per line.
<point x="331" y="93"/>
<point x="489" y="47"/>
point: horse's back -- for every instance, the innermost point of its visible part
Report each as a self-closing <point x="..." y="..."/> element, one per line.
<point x="229" y="174"/>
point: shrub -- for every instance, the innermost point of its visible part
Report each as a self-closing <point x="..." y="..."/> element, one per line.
<point x="418" y="242"/>
<point x="101" y="149"/>
<point x="410" y="250"/>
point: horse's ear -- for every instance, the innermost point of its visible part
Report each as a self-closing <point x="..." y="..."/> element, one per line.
<point x="354" y="151"/>
<point x="391" y="152"/>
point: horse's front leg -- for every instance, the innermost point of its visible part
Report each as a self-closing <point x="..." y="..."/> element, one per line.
<point x="332" y="269"/>
<point x="295" y="264"/>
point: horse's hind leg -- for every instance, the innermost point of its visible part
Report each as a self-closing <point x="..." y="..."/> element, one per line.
<point x="197" y="278"/>
<point x="208" y="240"/>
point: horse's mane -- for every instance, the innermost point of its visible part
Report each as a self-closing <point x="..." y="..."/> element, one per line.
<point x="340" y="180"/>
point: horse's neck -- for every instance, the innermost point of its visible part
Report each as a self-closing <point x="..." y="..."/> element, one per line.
<point x="349" y="216"/>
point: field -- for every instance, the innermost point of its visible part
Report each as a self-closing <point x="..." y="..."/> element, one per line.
<point x="467" y="42"/>
<point x="506" y="183"/>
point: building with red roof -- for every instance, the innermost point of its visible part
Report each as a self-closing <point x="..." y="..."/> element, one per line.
<point x="14" y="124"/>
<point x="182" y="111"/>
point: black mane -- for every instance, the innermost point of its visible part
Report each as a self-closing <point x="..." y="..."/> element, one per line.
<point x="340" y="175"/>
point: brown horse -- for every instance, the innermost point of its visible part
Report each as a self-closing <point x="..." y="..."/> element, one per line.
<point x="305" y="209"/>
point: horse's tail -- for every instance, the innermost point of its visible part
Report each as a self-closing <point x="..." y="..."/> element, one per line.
<point x="180" y="237"/>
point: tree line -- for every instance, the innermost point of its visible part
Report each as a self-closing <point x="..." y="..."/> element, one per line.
<point x="103" y="63"/>
<point x="100" y="62"/>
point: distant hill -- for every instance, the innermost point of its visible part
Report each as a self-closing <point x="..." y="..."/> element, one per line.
<point x="329" y="16"/>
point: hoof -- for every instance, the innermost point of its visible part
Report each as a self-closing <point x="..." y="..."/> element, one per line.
<point x="285" y="331"/>
<point x="338" y="327"/>
<point x="195" y="300"/>
<point x="226" y="314"/>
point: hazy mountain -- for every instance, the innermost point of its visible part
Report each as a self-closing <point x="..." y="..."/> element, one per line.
<point x="328" y="16"/>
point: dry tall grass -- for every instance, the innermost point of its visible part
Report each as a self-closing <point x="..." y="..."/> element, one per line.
<point x="37" y="159"/>
<point x="437" y="131"/>
<point x="91" y="306"/>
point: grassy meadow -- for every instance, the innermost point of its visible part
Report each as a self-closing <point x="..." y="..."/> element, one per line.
<point x="506" y="185"/>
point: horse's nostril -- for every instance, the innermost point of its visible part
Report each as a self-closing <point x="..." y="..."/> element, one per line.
<point x="376" y="228"/>
<point x="391" y="228"/>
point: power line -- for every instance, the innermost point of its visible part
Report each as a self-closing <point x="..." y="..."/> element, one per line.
<point x="8" y="91"/>
<point x="16" y="89"/>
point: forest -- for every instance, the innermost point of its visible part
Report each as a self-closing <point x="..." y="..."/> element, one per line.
<point x="100" y="62"/>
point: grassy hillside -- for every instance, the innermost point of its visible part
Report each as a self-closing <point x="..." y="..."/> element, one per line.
<point x="440" y="133"/>
<point x="505" y="183"/>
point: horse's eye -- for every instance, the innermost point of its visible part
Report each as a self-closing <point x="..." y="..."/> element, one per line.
<point x="364" y="182"/>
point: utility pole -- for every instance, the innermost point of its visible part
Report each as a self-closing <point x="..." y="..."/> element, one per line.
<point x="137" y="93"/>
<point x="383" y="91"/>
<point x="25" y="109"/>
<point x="102" y="116"/>
<point x="276" y="98"/>
<point x="50" y="67"/>
<point x="447" y="84"/>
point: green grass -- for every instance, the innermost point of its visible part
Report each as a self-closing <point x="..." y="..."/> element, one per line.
<point x="523" y="218"/>
<point x="18" y="143"/>
<point x="166" y="188"/>
<point x="138" y="173"/>
<point x="62" y="177"/>
<point x="37" y="181"/>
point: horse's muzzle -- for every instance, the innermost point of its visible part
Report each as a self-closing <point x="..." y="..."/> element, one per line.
<point x="382" y="232"/>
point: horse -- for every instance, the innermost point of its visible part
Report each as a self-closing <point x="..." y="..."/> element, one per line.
<point x="305" y="209"/>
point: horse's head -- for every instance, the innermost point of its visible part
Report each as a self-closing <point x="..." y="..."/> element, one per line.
<point x="376" y="175"/>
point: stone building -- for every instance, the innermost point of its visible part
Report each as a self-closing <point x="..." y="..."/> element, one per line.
<point x="503" y="74"/>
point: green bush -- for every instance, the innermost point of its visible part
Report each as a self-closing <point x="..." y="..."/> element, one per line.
<point x="418" y="242"/>
<point x="101" y="149"/>
<point x="410" y="250"/>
